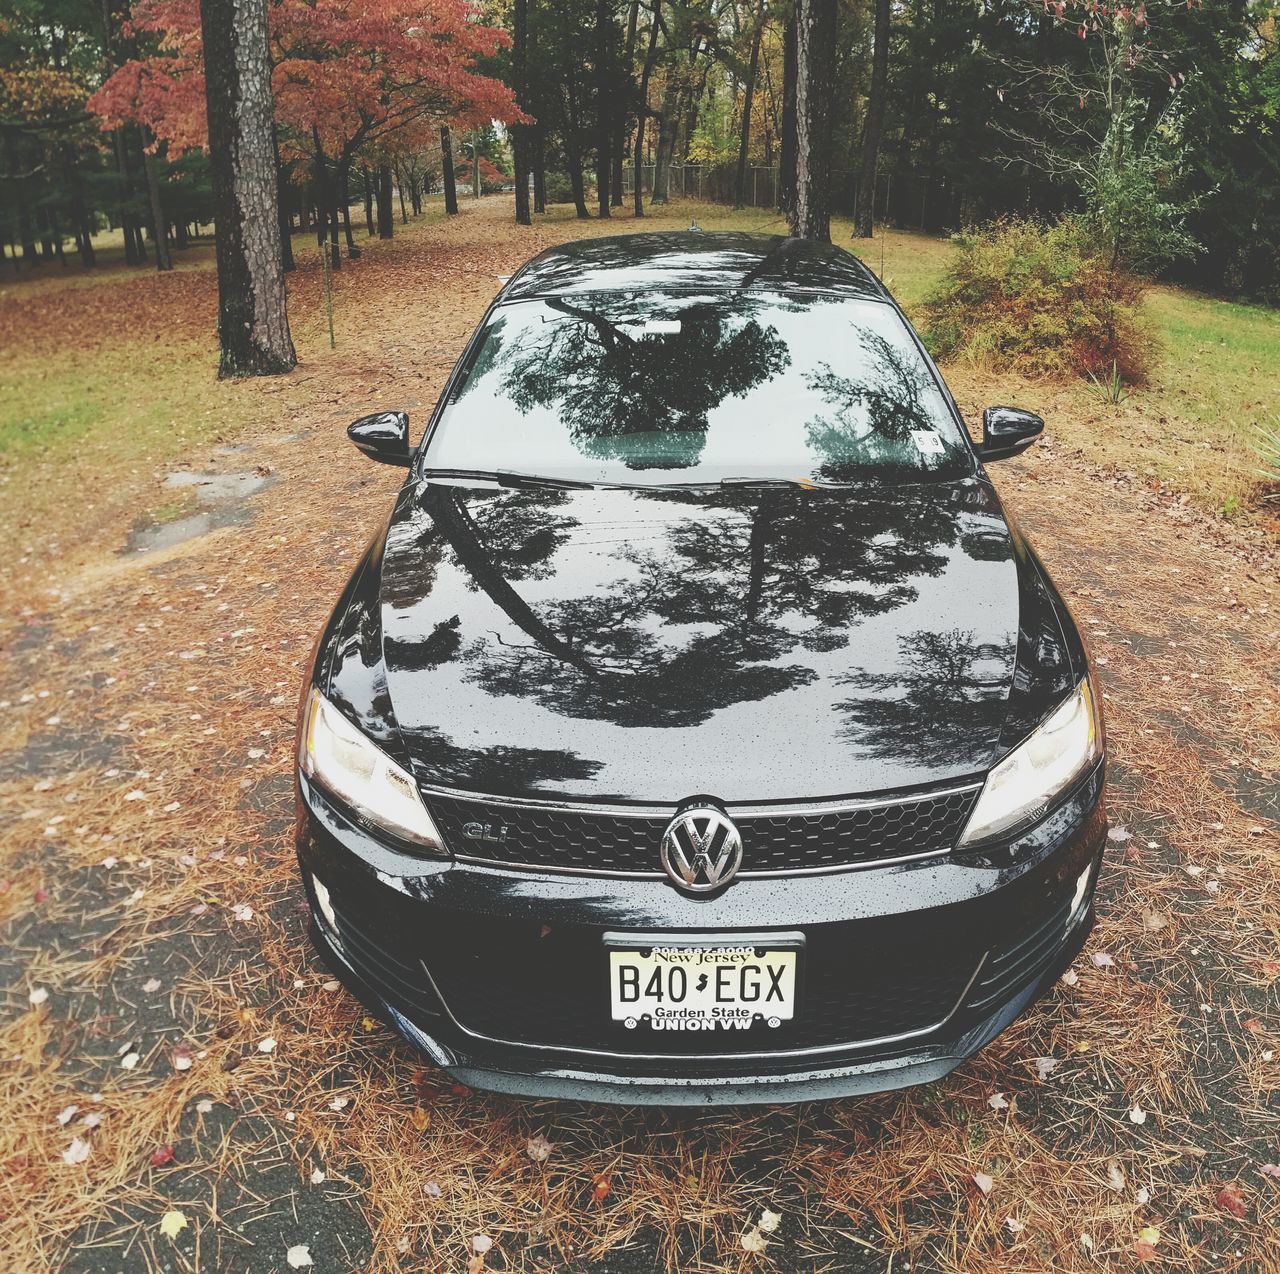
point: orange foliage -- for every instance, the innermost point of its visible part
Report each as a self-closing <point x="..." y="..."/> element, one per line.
<point x="346" y="72"/>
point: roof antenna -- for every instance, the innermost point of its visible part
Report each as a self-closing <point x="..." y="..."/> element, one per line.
<point x="693" y="224"/>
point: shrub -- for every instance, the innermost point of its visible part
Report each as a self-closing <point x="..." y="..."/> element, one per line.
<point x="1041" y="300"/>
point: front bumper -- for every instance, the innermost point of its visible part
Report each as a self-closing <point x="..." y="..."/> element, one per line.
<point x="496" y="975"/>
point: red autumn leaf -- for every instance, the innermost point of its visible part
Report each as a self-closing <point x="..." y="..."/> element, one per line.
<point x="1252" y="1024"/>
<point x="601" y="1188"/>
<point x="161" y="1155"/>
<point x="1145" y="1251"/>
<point x="42" y="895"/>
<point x="1229" y="1200"/>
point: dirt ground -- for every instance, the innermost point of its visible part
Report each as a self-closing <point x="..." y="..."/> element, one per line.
<point x="183" y="1088"/>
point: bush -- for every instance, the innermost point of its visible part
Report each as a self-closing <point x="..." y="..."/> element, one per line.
<point x="1039" y="300"/>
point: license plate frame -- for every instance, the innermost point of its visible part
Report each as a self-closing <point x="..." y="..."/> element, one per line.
<point x="790" y="943"/>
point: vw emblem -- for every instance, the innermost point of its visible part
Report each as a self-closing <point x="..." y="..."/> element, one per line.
<point x="701" y="849"/>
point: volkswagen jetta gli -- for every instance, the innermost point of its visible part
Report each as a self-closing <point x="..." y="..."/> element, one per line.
<point x="700" y="729"/>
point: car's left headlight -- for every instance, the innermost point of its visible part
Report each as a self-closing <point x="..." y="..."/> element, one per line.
<point x="1022" y="787"/>
<point x="342" y="760"/>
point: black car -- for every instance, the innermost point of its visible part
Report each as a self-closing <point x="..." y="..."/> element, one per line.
<point x="699" y="730"/>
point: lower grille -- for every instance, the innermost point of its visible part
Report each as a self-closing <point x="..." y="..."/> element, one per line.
<point x="1020" y="962"/>
<point x="584" y="840"/>
<point x="375" y="960"/>
<point x="553" y="991"/>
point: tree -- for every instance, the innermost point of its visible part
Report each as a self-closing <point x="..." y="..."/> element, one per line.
<point x="815" y="27"/>
<point x="253" y="327"/>
<point x="749" y="89"/>
<point x="864" y="212"/>
<point x="520" y="132"/>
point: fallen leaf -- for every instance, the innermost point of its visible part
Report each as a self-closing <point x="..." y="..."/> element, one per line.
<point x="1045" y="1066"/>
<point x="420" y="1118"/>
<point x="77" y="1151"/>
<point x="267" y="1045"/>
<point x="1230" y="1200"/>
<point x="173" y="1223"/>
<point x="432" y="1190"/>
<point x="242" y="911"/>
<point x="130" y="1060"/>
<point x="538" y="1149"/>
<point x="65" y="1114"/>
<point x="1143" y="1196"/>
<point x="204" y="1106"/>
<point x="1137" y="1115"/>
<point x="340" y="1103"/>
<point x="1101" y="960"/>
<point x="1115" y="1176"/>
<point x="1253" y="1025"/>
<point x="998" y="1101"/>
<point x="182" y="1057"/>
<point x="299" y="1256"/>
<point x="38" y="995"/>
<point x="1119" y="835"/>
<point x="1270" y="1170"/>
<point x="91" y="1121"/>
<point x="317" y="1176"/>
<point x="1015" y="1226"/>
<point x="161" y="1155"/>
<point x="151" y="984"/>
<point x="601" y="1187"/>
<point x="1071" y="977"/>
<point x="983" y="1182"/>
<point x="754" y="1241"/>
<point x="769" y="1221"/>
<point x="1152" y="921"/>
<point x="481" y="1243"/>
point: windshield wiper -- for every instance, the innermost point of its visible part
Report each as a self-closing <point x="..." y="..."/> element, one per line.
<point x="805" y="484"/>
<point x="506" y="478"/>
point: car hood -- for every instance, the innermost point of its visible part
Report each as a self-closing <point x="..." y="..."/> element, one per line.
<point x="747" y="645"/>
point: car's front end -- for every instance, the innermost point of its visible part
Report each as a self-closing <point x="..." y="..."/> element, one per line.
<point x="729" y="746"/>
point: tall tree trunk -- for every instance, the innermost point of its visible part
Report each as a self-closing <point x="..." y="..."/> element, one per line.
<point x="605" y="98"/>
<point x="446" y="154"/>
<point x="520" y="132"/>
<point x="810" y="218"/>
<point x="253" y="324"/>
<point x="125" y="189"/>
<point x="748" y="93"/>
<point x="539" y="170"/>
<point x="382" y="194"/>
<point x="642" y="104"/>
<point x="326" y="203"/>
<point x="400" y="184"/>
<point x="787" y="159"/>
<point x="573" y="158"/>
<point x="158" y="223"/>
<point x="368" y="199"/>
<point x="618" y="154"/>
<point x="283" y="201"/>
<point x="864" y="209"/>
<point x="668" y="126"/>
<point x="79" y="213"/>
<point x="344" y="198"/>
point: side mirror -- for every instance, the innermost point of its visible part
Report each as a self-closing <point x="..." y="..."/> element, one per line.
<point x="384" y="437"/>
<point x="1007" y="431"/>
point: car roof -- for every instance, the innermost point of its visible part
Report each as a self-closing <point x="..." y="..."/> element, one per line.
<point x="694" y="260"/>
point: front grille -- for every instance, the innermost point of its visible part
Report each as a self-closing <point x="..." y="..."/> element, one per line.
<point x="582" y="839"/>
<point x="551" y="990"/>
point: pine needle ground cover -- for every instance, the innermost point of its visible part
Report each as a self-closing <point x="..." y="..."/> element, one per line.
<point x="183" y="1087"/>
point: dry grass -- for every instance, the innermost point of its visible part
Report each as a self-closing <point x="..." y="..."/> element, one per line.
<point x="175" y="675"/>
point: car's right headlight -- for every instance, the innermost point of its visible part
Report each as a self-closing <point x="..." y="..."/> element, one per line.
<point x="1021" y="788"/>
<point x="344" y="761"/>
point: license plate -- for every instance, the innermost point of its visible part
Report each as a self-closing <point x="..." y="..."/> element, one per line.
<point x="702" y="986"/>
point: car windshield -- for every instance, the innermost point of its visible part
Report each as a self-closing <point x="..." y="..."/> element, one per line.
<point x="660" y="389"/>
